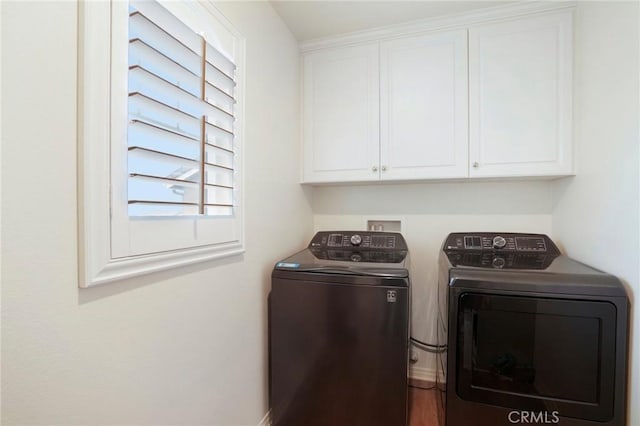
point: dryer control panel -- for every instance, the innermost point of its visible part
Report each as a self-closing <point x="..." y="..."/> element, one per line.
<point x="504" y="250"/>
<point x="500" y="242"/>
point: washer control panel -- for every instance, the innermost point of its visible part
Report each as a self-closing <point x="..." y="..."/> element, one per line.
<point x="500" y="242"/>
<point x="359" y="239"/>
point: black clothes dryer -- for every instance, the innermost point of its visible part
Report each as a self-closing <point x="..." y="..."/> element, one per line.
<point x="339" y="332"/>
<point x="532" y="336"/>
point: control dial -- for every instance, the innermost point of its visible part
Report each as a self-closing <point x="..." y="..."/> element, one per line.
<point x="356" y="239"/>
<point x="499" y="242"/>
<point x="498" y="262"/>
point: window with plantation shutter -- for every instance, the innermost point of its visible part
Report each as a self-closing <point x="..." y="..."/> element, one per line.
<point x="161" y="86"/>
<point x="181" y="122"/>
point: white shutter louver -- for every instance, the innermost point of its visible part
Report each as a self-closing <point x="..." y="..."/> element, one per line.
<point x="181" y="119"/>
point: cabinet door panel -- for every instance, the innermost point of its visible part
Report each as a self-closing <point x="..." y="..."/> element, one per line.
<point x="423" y="106"/>
<point x="341" y="123"/>
<point x="520" y="97"/>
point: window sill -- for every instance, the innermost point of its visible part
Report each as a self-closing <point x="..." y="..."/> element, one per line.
<point x="129" y="267"/>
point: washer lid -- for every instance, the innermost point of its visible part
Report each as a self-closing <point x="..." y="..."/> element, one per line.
<point x="353" y="263"/>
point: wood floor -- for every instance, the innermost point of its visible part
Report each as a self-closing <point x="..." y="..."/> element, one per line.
<point x="422" y="407"/>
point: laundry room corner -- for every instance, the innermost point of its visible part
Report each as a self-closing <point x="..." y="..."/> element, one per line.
<point x="595" y="213"/>
<point x="417" y="213"/>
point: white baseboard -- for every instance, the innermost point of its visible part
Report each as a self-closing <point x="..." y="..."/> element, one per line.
<point x="266" y="420"/>
<point x="425" y="374"/>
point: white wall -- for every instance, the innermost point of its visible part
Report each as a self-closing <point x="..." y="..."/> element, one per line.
<point x="596" y="214"/>
<point x="182" y="347"/>
<point x="429" y="212"/>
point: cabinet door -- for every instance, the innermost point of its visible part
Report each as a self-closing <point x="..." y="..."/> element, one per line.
<point x="423" y="107"/>
<point x="520" y="77"/>
<point x="340" y="117"/>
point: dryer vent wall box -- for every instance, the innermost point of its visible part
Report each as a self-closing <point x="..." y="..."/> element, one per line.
<point x="338" y="325"/>
<point x="384" y="225"/>
<point x="529" y="329"/>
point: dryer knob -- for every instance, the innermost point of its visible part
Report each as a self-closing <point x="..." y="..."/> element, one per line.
<point x="356" y="239"/>
<point x="499" y="242"/>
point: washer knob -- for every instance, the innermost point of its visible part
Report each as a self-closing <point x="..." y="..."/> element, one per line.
<point x="499" y="242"/>
<point x="356" y="239"/>
<point x="498" y="262"/>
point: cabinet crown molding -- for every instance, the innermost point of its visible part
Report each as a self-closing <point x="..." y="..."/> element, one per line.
<point x="455" y="21"/>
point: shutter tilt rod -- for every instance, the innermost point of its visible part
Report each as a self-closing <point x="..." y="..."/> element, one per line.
<point x="203" y="128"/>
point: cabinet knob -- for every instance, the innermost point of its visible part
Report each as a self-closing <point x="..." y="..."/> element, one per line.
<point x="383" y="168"/>
<point x="476" y="164"/>
<point x="374" y="168"/>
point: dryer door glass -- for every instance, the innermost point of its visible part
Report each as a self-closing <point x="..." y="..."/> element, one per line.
<point x="537" y="354"/>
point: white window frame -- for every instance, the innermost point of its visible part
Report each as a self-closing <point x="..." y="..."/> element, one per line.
<point x="113" y="246"/>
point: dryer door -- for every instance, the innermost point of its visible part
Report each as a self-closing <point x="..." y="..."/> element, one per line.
<point x="537" y="354"/>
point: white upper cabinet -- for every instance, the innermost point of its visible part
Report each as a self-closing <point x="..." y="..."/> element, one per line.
<point x="520" y="79"/>
<point x="341" y="115"/>
<point x="423" y="107"/>
<point x="489" y="96"/>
